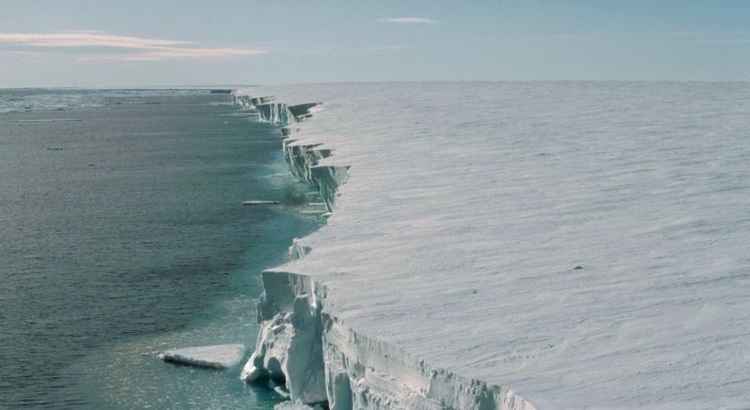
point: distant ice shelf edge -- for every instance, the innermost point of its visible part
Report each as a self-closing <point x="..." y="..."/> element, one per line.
<point x="321" y="360"/>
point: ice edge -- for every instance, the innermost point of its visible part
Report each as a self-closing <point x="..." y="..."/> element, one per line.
<point x="318" y="358"/>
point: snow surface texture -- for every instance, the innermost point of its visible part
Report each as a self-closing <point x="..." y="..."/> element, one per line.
<point x="584" y="243"/>
<point x="216" y="356"/>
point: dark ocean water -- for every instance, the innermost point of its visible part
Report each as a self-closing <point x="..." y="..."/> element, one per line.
<point x="121" y="233"/>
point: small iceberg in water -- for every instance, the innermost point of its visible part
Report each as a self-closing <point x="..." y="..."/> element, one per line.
<point x="260" y="202"/>
<point x="214" y="357"/>
<point x="295" y="405"/>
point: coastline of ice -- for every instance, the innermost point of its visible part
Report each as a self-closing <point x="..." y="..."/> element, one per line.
<point x="583" y="243"/>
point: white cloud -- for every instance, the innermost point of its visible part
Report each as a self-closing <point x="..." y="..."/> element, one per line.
<point x="131" y="48"/>
<point x="408" y="20"/>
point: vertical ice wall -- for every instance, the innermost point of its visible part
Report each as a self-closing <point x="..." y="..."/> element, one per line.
<point x="321" y="360"/>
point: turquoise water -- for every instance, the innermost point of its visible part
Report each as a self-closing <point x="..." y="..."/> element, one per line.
<point x="122" y="234"/>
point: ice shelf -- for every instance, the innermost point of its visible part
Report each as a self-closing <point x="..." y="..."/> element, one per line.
<point x="517" y="246"/>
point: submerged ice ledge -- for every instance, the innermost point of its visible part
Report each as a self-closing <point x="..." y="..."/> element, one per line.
<point x="215" y="356"/>
<point x="319" y="359"/>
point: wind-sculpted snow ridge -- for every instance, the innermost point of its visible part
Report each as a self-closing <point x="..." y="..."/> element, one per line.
<point x="322" y="362"/>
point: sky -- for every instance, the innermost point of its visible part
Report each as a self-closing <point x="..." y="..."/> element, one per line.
<point x="140" y="43"/>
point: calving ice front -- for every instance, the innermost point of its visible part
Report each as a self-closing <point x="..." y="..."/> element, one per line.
<point x="496" y="248"/>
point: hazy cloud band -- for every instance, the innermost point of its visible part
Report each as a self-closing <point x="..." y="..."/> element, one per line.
<point x="136" y="48"/>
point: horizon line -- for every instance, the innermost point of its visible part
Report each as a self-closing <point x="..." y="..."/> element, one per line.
<point x="226" y="86"/>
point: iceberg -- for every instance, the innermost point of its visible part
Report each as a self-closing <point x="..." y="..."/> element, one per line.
<point x="296" y="405"/>
<point x="258" y="202"/>
<point x="215" y="356"/>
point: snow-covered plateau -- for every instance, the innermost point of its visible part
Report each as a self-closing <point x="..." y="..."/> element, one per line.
<point x="525" y="246"/>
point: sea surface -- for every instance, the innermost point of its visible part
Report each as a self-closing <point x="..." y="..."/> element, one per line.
<point x="122" y="233"/>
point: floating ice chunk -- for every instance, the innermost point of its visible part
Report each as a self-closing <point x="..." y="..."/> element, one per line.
<point x="259" y="202"/>
<point x="294" y="405"/>
<point x="216" y="356"/>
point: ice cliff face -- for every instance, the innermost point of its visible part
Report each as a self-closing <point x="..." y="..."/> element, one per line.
<point x="289" y="350"/>
<point x="265" y="110"/>
<point x="322" y="360"/>
<point x="303" y="160"/>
